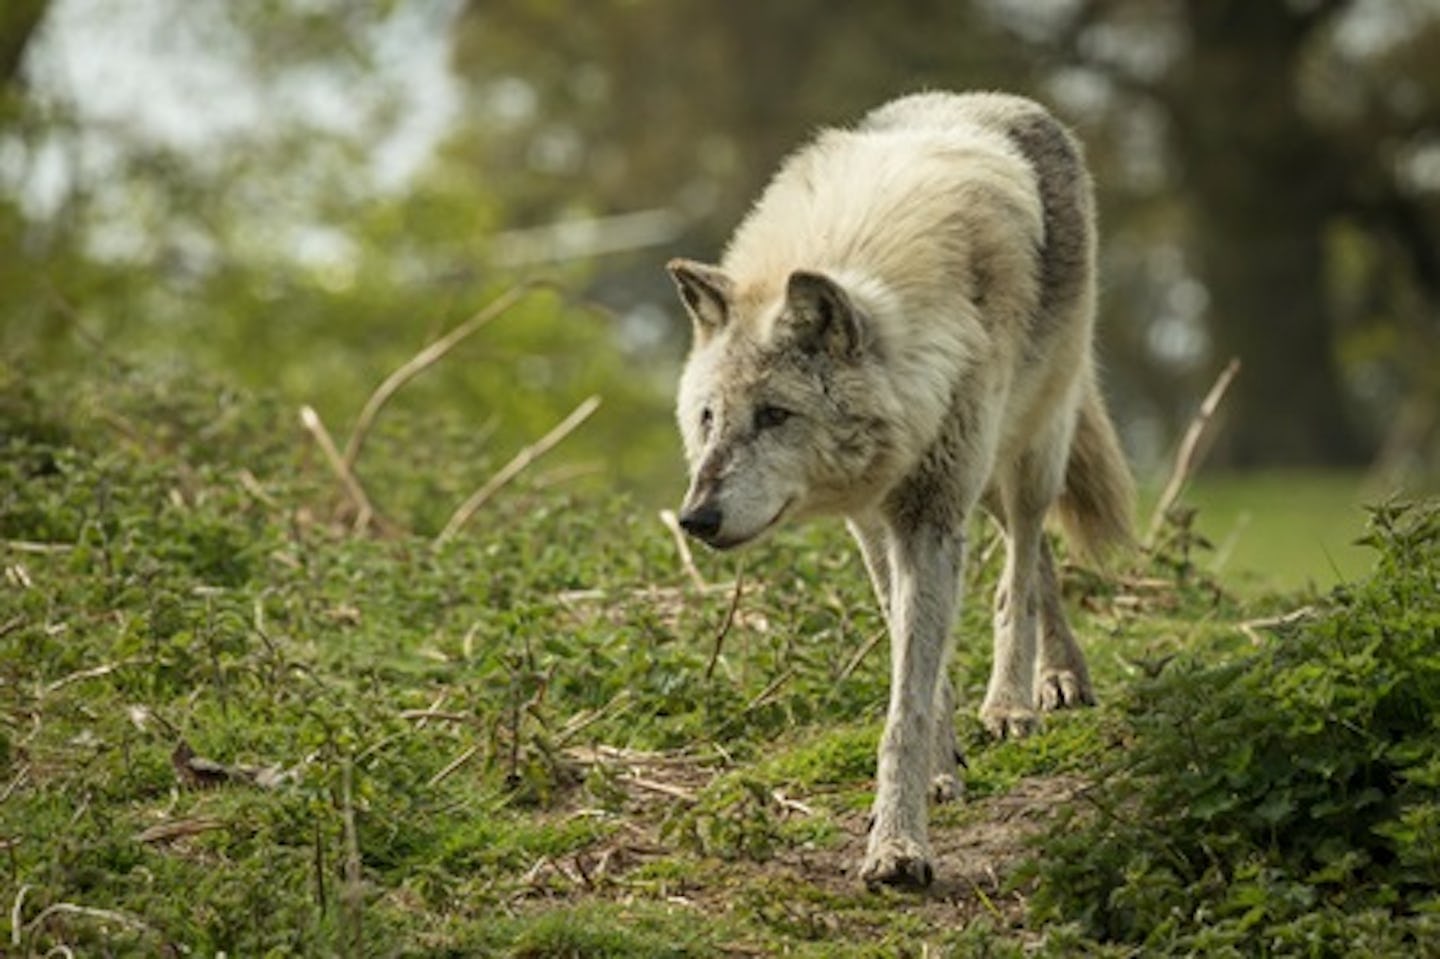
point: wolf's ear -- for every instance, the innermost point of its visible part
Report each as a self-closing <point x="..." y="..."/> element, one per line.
<point x="823" y="316"/>
<point x="706" y="291"/>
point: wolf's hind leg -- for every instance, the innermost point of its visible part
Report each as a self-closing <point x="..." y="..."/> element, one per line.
<point x="1025" y="495"/>
<point x="1008" y="711"/>
<point x="945" y="757"/>
<point x="1061" y="679"/>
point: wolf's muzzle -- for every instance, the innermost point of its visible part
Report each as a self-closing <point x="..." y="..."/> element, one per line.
<point x="703" y="522"/>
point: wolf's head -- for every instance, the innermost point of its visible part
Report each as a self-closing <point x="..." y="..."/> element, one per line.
<point x="782" y="406"/>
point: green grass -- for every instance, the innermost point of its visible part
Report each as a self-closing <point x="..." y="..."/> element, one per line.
<point x="1283" y="530"/>
<point x="513" y="744"/>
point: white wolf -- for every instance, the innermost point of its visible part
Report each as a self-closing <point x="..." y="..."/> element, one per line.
<point x="899" y="331"/>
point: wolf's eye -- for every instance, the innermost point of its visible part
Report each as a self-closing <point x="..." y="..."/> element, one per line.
<point x="768" y="417"/>
<point x="706" y="418"/>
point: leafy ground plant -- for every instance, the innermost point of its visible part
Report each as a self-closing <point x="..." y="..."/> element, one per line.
<point x="1282" y="798"/>
<point x="228" y="723"/>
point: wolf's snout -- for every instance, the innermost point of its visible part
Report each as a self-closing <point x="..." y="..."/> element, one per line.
<point x="702" y="522"/>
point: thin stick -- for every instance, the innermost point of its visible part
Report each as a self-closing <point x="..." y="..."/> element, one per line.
<point x="353" y="894"/>
<point x="109" y="915"/>
<point x="726" y="623"/>
<point x="15" y="914"/>
<point x="513" y="468"/>
<point x="1251" y="627"/>
<point x="451" y="766"/>
<point x="427" y="358"/>
<point x="654" y="786"/>
<point x="312" y="422"/>
<point x="93" y="673"/>
<point x="29" y="546"/>
<point x="860" y="655"/>
<point x="768" y="691"/>
<point x="1188" y="457"/>
<point x="687" y="559"/>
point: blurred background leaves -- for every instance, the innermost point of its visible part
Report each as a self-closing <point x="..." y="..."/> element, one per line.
<point x="300" y="195"/>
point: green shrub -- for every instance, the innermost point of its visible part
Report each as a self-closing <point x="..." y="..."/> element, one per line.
<point x="1284" y="798"/>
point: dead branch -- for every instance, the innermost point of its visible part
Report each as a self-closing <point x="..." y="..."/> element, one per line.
<point x="15" y="913"/>
<point x="1187" y="459"/>
<point x="427" y="358"/>
<point x="687" y="559"/>
<point x="353" y="895"/>
<point x="725" y="624"/>
<point x="29" y="546"/>
<point x="768" y="692"/>
<point x="94" y="672"/>
<point x="364" y="511"/>
<point x="513" y="468"/>
<point x="655" y="786"/>
<point x="1251" y="627"/>
<point x="89" y="912"/>
<point x="860" y="654"/>
<point x="451" y="766"/>
<point x="173" y="829"/>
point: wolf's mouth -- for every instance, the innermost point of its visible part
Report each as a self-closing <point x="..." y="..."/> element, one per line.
<point x="728" y="544"/>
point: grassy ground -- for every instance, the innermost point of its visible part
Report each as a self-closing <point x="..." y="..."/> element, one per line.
<point x="1284" y="530"/>
<point x="230" y="723"/>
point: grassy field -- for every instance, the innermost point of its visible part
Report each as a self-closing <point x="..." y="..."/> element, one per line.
<point x="1284" y="530"/>
<point x="230" y="721"/>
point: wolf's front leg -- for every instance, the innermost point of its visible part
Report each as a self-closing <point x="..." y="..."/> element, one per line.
<point x="925" y="563"/>
<point x="873" y="535"/>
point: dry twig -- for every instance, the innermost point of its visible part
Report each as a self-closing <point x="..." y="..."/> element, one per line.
<point x="513" y="468"/>
<point x="427" y="358"/>
<point x="89" y="912"/>
<point x="726" y="624"/>
<point x="654" y="786"/>
<point x="451" y="766"/>
<point x="95" y="672"/>
<point x="364" y="511"/>
<point x="860" y="654"/>
<point x="1188" y="456"/>
<point x="1251" y="627"/>
<point x="353" y="895"/>
<point x="687" y="559"/>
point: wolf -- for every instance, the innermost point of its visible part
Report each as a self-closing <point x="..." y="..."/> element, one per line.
<point x="900" y="331"/>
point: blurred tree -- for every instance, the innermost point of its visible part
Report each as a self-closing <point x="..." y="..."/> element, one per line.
<point x="605" y="106"/>
<point x="1270" y="176"/>
<point x="1285" y="122"/>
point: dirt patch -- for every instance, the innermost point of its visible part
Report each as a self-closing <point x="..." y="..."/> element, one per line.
<point x="812" y="892"/>
<point x="975" y="859"/>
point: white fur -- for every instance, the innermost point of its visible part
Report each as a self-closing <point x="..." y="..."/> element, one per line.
<point x="895" y="292"/>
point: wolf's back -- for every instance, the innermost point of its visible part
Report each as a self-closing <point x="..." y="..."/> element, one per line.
<point x="1095" y="505"/>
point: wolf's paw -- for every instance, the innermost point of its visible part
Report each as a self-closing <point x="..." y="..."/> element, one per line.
<point x="897" y="861"/>
<point x="1064" y="689"/>
<point x="1009" y="722"/>
<point x="945" y="787"/>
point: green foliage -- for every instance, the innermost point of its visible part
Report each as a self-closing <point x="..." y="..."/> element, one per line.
<point x="1283" y="798"/>
<point x="525" y="723"/>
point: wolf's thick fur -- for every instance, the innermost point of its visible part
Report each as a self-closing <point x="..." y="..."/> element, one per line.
<point x="900" y="331"/>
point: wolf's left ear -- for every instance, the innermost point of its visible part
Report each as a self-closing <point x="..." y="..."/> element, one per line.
<point x="706" y="290"/>
<point x="823" y="315"/>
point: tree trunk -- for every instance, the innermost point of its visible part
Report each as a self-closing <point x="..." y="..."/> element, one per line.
<point x="18" y="21"/>
<point x="1264" y="187"/>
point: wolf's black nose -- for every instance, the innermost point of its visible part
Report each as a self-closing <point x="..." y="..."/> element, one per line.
<point x="703" y="522"/>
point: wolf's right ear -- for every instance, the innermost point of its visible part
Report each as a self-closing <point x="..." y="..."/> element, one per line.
<point x="706" y="290"/>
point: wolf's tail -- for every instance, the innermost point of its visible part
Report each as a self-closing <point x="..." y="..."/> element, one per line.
<point x="1099" y="495"/>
